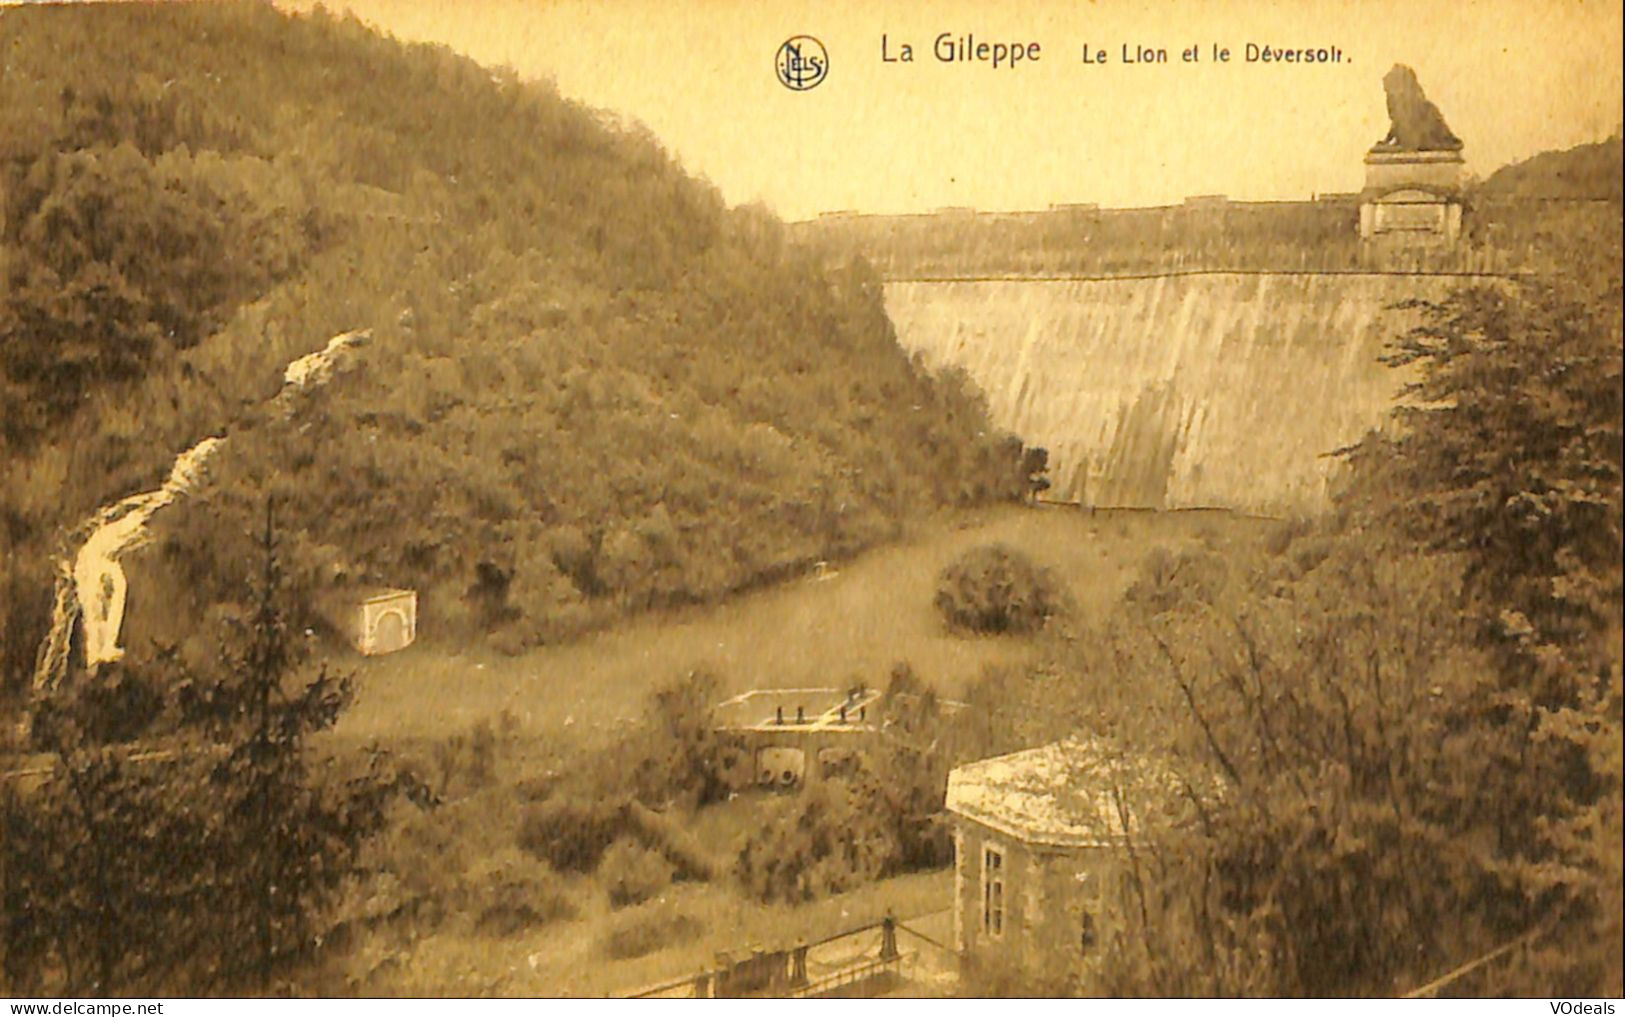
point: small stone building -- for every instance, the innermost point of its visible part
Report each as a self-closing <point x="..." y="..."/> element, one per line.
<point x="375" y="620"/>
<point x="1041" y="863"/>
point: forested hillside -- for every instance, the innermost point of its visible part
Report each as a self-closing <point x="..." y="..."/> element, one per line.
<point x="1583" y="172"/>
<point x="590" y="386"/>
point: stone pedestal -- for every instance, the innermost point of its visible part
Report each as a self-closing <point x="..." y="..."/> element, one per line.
<point x="1411" y="198"/>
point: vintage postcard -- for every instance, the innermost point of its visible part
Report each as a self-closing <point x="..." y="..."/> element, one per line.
<point x="548" y="498"/>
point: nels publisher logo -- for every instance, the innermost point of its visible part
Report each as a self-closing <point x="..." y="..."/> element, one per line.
<point x="801" y="63"/>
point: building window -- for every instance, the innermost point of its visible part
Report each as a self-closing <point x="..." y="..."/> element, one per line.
<point x="993" y="891"/>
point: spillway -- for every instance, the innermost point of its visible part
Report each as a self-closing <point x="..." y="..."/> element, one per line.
<point x="1200" y="390"/>
<point x="92" y="589"/>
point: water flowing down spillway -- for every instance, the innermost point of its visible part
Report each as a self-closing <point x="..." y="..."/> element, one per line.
<point x="1182" y="391"/>
<point x="98" y="580"/>
<point x="92" y="587"/>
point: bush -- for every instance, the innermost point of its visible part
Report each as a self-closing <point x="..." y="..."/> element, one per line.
<point x="1170" y="580"/>
<point x="677" y="748"/>
<point x="571" y="836"/>
<point x="831" y="838"/>
<point x="645" y="931"/>
<point x="673" y="755"/>
<point x="117" y="705"/>
<point x="995" y="589"/>
<point x="515" y="895"/>
<point x="466" y="764"/>
<point x="632" y="873"/>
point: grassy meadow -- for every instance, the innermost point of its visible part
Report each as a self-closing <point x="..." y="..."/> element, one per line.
<point x="873" y="612"/>
<point x="558" y="707"/>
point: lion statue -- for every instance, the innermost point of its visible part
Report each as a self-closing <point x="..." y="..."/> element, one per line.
<point x="1416" y="125"/>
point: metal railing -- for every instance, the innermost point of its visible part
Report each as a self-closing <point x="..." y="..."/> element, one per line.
<point x="784" y="972"/>
<point x="871" y="970"/>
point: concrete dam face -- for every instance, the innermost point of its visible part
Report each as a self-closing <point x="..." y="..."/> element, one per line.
<point x="1221" y="390"/>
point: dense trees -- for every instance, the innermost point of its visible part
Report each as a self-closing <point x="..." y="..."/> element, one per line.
<point x="1511" y="465"/>
<point x="1416" y="705"/>
<point x="116" y="259"/>
<point x="1452" y="649"/>
<point x="592" y="388"/>
<point x="204" y="861"/>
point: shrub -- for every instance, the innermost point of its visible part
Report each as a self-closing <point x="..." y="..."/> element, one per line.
<point x="834" y="836"/>
<point x="996" y="589"/>
<point x="672" y="755"/>
<point x="677" y="747"/>
<point x="1282" y="535"/>
<point x="632" y="873"/>
<point x="570" y="835"/>
<point x="1169" y="580"/>
<point x="116" y="705"/>
<point x="465" y="764"/>
<point x="644" y="931"/>
<point x="514" y="895"/>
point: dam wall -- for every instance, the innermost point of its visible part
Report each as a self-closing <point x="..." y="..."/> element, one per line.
<point x="1502" y="235"/>
<point x="1205" y="390"/>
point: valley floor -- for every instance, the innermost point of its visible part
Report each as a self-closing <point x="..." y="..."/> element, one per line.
<point x="555" y="705"/>
<point x="853" y="626"/>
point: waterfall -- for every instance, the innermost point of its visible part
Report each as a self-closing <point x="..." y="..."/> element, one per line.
<point x="1219" y="390"/>
<point x="91" y="585"/>
<point x="91" y="590"/>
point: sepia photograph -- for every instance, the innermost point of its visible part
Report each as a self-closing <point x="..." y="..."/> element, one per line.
<point x="865" y="499"/>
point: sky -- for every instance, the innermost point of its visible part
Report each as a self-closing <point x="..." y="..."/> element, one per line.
<point x="1512" y="78"/>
